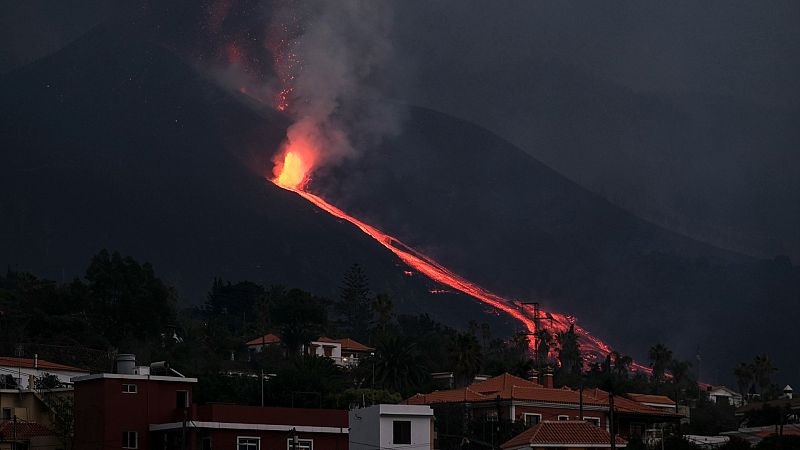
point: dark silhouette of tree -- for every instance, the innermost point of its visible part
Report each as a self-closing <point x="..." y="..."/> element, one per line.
<point x="397" y="365"/>
<point x="622" y="364"/>
<point x="355" y="303"/>
<point x="301" y="318"/>
<point x="234" y="305"/>
<point x="569" y="354"/>
<point x="762" y="371"/>
<point x="383" y="307"/>
<point x="660" y="358"/>
<point x="465" y="357"/>
<point x="544" y="342"/>
<point x="744" y="378"/>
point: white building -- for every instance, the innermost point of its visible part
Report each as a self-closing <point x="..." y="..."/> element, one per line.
<point x="391" y="426"/>
<point x="344" y="352"/>
<point x="22" y="373"/>
<point x="725" y="395"/>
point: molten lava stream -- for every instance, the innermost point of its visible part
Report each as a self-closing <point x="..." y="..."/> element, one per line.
<point x="291" y="174"/>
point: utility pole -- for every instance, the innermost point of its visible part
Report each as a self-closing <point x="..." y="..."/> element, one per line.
<point x="183" y="431"/>
<point x="611" y="420"/>
<point x="262" y="388"/>
<point x="580" y="403"/>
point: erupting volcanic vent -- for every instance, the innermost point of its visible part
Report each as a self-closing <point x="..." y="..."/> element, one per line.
<point x="314" y="103"/>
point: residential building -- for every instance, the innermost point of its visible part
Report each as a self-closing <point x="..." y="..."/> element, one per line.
<point x="20" y="373"/>
<point x="30" y="421"/>
<point x="566" y="434"/>
<point x="344" y="352"/>
<point x="724" y="395"/>
<point x="661" y="402"/>
<point x="391" y="426"/>
<point x="511" y="398"/>
<point x="260" y="343"/>
<point x="151" y="407"/>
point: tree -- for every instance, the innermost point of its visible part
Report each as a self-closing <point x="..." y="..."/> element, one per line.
<point x="301" y="318"/>
<point x="465" y="358"/>
<point x="384" y="308"/>
<point x="744" y="378"/>
<point x="569" y="354"/>
<point x="234" y="305"/>
<point x="622" y="364"/>
<point x="660" y="358"/>
<point x="544" y="341"/>
<point x="355" y="303"/>
<point x="397" y="365"/>
<point x="762" y="370"/>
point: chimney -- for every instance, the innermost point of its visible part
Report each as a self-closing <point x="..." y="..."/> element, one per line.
<point x="35" y="360"/>
<point x="548" y="380"/>
<point x="788" y="391"/>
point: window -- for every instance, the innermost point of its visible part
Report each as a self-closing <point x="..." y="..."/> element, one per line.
<point x="206" y="444"/>
<point x="562" y="417"/>
<point x="248" y="443"/>
<point x="302" y="444"/>
<point x="129" y="388"/>
<point x="532" y="419"/>
<point x="6" y="413"/>
<point x="592" y="420"/>
<point x="130" y="439"/>
<point x="181" y="399"/>
<point x="402" y="432"/>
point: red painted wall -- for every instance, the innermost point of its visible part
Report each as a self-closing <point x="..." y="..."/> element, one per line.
<point x="275" y="440"/>
<point x="103" y="411"/>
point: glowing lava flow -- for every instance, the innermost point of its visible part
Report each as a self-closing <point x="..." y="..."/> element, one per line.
<point x="291" y="174"/>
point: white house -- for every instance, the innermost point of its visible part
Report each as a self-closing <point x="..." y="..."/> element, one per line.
<point x="724" y="395"/>
<point x="344" y="352"/>
<point x="21" y="373"/>
<point x="391" y="426"/>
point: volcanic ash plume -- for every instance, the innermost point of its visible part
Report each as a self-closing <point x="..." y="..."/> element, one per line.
<point x="328" y="56"/>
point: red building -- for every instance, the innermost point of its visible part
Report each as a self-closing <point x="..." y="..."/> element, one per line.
<point x="140" y="410"/>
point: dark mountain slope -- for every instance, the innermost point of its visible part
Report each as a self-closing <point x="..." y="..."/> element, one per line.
<point x="496" y="215"/>
<point x="113" y="142"/>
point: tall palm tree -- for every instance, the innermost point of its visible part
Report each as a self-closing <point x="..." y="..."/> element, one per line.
<point x="383" y="307"/>
<point x="660" y="358"/>
<point x="622" y="364"/>
<point x="762" y="369"/>
<point x="465" y="357"/>
<point x="744" y="378"/>
<point x="544" y="342"/>
<point x="398" y="364"/>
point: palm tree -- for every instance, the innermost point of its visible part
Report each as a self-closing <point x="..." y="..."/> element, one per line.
<point x="660" y="358"/>
<point x="744" y="378"/>
<point x="622" y="364"/>
<point x="762" y="369"/>
<point x="569" y="354"/>
<point x="464" y="355"/>
<point x="383" y="308"/>
<point x="544" y="341"/>
<point x="397" y="364"/>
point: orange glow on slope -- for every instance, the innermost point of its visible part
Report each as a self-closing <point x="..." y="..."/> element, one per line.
<point x="419" y="261"/>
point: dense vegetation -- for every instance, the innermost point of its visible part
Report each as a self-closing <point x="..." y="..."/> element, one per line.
<point x="121" y="305"/>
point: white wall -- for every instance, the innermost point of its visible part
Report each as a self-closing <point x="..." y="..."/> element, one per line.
<point x="373" y="427"/>
<point x="24" y="374"/>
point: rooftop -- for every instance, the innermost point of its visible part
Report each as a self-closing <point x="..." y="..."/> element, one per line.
<point x="347" y="344"/>
<point x="41" y="364"/>
<point x="565" y="433"/>
<point x="266" y="339"/>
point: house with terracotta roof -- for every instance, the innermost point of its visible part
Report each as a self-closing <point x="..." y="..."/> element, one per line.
<point x="35" y="419"/>
<point x="22" y="373"/>
<point x="572" y="434"/>
<point x="510" y="398"/>
<point x="345" y="352"/>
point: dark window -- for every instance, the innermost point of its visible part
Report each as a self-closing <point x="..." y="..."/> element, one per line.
<point x="402" y="432"/>
<point x="6" y="413"/>
<point x="593" y="420"/>
<point x="206" y="444"/>
<point x="130" y="439"/>
<point x="129" y="388"/>
<point x="181" y="399"/>
<point x="532" y="419"/>
<point x="563" y="417"/>
<point x="248" y="443"/>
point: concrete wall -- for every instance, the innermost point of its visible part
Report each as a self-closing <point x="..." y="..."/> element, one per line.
<point x="373" y="427"/>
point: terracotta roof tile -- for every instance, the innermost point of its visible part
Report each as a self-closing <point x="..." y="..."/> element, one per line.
<point x="266" y="339"/>
<point x="647" y="398"/>
<point x="566" y="433"/>
<point x="501" y="382"/>
<point x="28" y="363"/>
<point x="22" y="430"/>
<point x="347" y="344"/>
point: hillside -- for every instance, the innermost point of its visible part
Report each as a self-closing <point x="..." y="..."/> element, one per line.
<point x="115" y="142"/>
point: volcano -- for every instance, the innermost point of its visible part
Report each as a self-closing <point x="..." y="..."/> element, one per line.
<point x="115" y="142"/>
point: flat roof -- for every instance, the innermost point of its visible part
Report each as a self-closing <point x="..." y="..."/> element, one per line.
<point x="122" y="376"/>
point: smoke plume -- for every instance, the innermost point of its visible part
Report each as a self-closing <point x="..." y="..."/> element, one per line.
<point x="329" y="57"/>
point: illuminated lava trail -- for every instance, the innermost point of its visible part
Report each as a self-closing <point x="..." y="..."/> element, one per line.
<point x="292" y="176"/>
